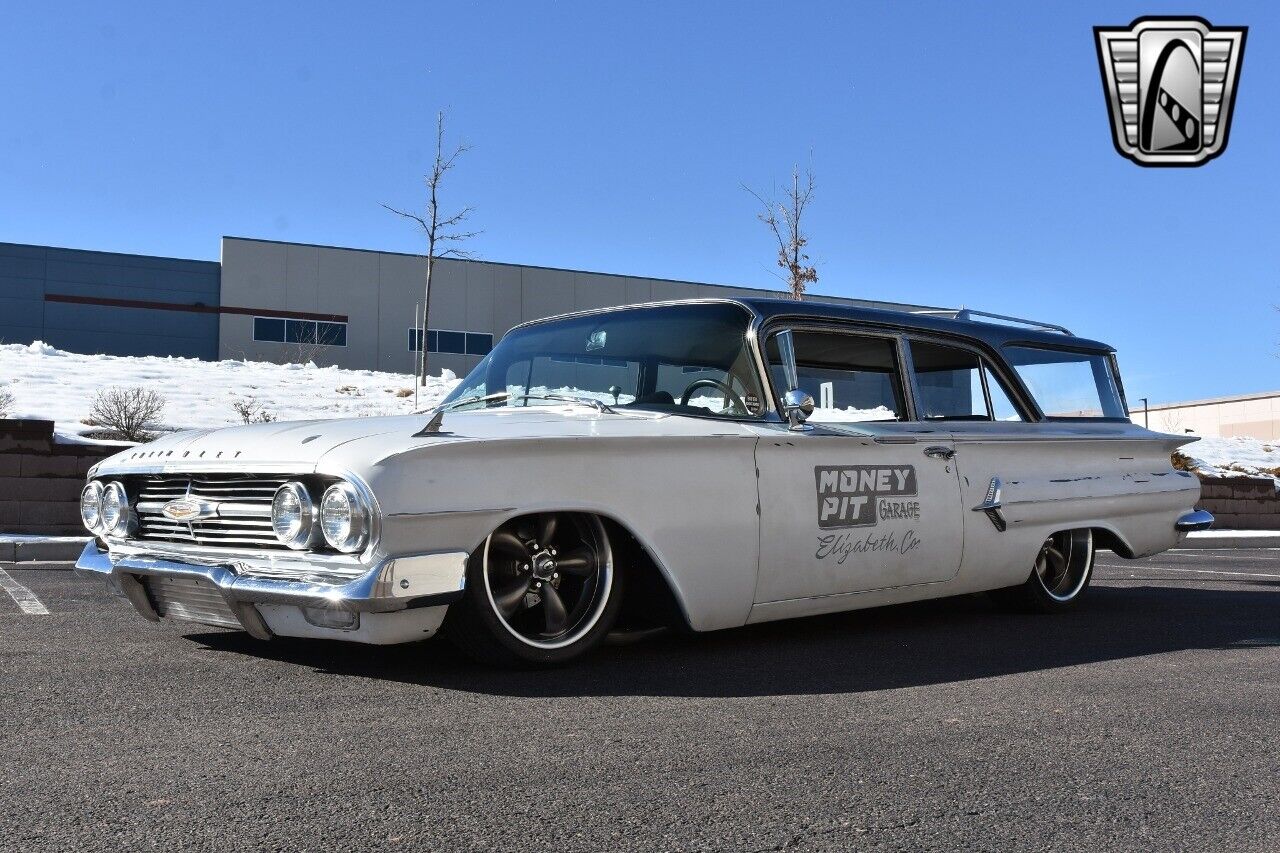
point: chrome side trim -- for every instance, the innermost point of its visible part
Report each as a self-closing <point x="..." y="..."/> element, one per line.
<point x="1192" y="521"/>
<point x="993" y="503"/>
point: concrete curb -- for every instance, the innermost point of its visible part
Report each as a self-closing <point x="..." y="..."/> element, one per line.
<point x="41" y="552"/>
<point x="1231" y="539"/>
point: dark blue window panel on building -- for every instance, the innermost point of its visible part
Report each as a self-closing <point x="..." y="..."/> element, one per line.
<point x="268" y="329"/>
<point x="332" y="334"/>
<point x="456" y="343"/>
<point x="300" y="332"/>
<point x="451" y="342"/>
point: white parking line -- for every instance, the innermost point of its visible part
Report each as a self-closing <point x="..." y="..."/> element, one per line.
<point x="26" y="598"/>
<point x="1233" y="554"/>
<point x="1137" y="567"/>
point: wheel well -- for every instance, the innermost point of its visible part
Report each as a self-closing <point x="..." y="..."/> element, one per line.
<point x="1110" y="541"/>
<point x="650" y="601"/>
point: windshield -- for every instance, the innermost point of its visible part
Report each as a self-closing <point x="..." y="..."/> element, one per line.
<point x="1069" y="384"/>
<point x="688" y="359"/>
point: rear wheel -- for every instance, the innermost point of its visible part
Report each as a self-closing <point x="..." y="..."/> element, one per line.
<point x="541" y="590"/>
<point x="1060" y="576"/>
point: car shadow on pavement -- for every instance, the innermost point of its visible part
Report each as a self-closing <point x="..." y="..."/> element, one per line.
<point x="935" y="642"/>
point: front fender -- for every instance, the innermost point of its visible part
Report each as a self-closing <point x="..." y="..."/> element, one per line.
<point x="690" y="501"/>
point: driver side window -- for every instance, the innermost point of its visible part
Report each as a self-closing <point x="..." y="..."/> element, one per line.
<point x="852" y="378"/>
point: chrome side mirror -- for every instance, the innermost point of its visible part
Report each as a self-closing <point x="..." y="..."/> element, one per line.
<point x="797" y="406"/>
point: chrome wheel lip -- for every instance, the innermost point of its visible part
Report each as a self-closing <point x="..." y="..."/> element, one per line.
<point x="1085" y="572"/>
<point x="603" y="590"/>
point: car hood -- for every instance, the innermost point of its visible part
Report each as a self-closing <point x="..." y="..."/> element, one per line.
<point x="299" y="446"/>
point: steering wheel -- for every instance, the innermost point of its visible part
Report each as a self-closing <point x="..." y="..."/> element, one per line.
<point x="712" y="383"/>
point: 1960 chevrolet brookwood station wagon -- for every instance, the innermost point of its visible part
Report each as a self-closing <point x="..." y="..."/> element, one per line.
<point x="662" y="463"/>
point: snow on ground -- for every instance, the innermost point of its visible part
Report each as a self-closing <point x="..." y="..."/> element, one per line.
<point x="852" y="415"/>
<point x="1225" y="457"/>
<point x="52" y="384"/>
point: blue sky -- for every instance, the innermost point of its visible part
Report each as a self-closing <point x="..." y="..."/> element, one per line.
<point x="962" y="151"/>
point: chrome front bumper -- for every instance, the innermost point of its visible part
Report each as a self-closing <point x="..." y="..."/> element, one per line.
<point x="394" y="584"/>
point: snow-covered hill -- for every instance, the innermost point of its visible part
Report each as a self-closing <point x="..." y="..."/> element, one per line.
<point x="1227" y="457"/>
<point x="55" y="385"/>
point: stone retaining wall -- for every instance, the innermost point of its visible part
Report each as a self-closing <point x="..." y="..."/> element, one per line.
<point x="40" y="480"/>
<point x="1241" y="503"/>
<point x="40" y="483"/>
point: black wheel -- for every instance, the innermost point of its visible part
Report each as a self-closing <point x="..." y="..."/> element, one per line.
<point x="1060" y="577"/>
<point x="541" y="590"/>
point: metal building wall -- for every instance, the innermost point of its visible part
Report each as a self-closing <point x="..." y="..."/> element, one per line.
<point x="103" y="302"/>
<point x="376" y="293"/>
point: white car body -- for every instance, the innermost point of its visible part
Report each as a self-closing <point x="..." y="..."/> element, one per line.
<point x="728" y="512"/>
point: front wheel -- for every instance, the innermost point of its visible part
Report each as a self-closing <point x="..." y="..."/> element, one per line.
<point x="1060" y="577"/>
<point x="540" y="590"/>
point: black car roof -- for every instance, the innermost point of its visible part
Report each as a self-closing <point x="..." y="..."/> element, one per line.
<point x="993" y="334"/>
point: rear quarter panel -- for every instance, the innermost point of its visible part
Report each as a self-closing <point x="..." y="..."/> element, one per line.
<point x="1117" y="478"/>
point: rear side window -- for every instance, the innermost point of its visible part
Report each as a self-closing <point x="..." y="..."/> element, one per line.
<point x="956" y="384"/>
<point x="1068" y="384"/>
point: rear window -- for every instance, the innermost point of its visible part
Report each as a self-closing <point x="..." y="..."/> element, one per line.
<point x="1069" y="384"/>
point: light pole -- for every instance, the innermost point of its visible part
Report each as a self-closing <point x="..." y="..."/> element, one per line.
<point x="1146" y="416"/>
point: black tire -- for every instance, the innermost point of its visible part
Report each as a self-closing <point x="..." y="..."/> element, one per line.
<point x="1059" y="578"/>
<point x="506" y="616"/>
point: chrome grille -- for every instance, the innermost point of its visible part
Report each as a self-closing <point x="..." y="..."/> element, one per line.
<point x="243" y="509"/>
<point x="190" y="599"/>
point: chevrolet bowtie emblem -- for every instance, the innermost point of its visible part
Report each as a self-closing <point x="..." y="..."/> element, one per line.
<point x="1170" y="85"/>
<point x="189" y="509"/>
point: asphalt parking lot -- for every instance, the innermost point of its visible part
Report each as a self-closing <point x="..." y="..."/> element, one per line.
<point x="1147" y="720"/>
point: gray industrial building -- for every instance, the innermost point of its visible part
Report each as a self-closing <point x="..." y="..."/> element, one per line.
<point x="276" y="301"/>
<point x="104" y="302"/>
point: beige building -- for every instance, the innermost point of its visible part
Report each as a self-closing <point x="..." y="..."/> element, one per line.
<point x="1250" y="415"/>
<point x="355" y="308"/>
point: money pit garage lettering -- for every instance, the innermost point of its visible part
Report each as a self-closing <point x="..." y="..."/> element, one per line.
<point x="848" y="495"/>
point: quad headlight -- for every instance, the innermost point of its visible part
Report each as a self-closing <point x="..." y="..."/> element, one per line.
<point x="91" y="506"/>
<point x="114" y="514"/>
<point x="344" y="518"/>
<point x="293" y="516"/>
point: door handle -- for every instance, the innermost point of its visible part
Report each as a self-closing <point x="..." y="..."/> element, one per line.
<point x="938" y="452"/>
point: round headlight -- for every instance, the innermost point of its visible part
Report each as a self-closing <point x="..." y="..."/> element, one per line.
<point x="293" y="516"/>
<point x="115" y="510"/>
<point x="344" y="518"/>
<point x="91" y="506"/>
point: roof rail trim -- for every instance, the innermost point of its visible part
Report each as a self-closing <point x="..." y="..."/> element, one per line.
<point x="970" y="314"/>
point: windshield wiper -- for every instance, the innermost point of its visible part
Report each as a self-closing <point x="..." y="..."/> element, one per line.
<point x="485" y="398"/>
<point x="598" y="405"/>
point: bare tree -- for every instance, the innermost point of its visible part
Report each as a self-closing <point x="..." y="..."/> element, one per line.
<point x="130" y="413"/>
<point x="443" y="232"/>
<point x="783" y="216"/>
<point x="251" y="410"/>
<point x="6" y="401"/>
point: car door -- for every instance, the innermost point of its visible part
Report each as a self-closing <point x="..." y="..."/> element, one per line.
<point x="866" y="499"/>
